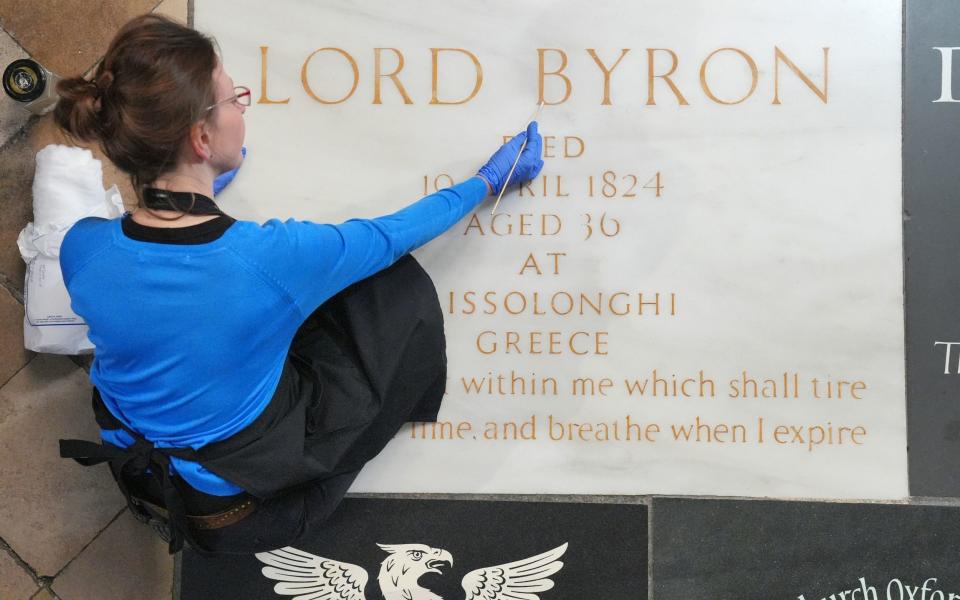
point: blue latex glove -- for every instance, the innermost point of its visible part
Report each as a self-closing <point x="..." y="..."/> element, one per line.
<point x="222" y="180"/>
<point x="496" y="170"/>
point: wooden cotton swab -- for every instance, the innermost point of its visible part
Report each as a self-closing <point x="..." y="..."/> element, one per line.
<point x="533" y="117"/>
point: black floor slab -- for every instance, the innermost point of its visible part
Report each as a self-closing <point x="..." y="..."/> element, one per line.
<point x="931" y="202"/>
<point x="764" y="550"/>
<point x="605" y="553"/>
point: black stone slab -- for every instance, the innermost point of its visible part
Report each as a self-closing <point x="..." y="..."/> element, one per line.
<point x="931" y="177"/>
<point x="606" y="554"/>
<point x="766" y="550"/>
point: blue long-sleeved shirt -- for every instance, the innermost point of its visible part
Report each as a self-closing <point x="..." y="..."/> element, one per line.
<point x="190" y="339"/>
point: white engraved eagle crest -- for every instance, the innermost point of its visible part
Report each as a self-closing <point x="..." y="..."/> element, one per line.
<point x="309" y="577"/>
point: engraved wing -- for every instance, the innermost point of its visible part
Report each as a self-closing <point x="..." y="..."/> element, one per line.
<point x="307" y="576"/>
<point x="519" y="580"/>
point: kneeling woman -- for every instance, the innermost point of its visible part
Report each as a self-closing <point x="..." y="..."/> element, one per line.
<point x="243" y="373"/>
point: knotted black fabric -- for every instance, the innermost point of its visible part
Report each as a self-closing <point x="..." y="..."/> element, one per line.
<point x="367" y="361"/>
<point x="185" y="202"/>
<point x="141" y="458"/>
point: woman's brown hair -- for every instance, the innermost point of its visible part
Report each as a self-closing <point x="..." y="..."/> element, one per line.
<point x="154" y="82"/>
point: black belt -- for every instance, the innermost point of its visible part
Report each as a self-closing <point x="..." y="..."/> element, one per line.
<point x="219" y="520"/>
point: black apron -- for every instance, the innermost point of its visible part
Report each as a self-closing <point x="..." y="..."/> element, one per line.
<point x="367" y="361"/>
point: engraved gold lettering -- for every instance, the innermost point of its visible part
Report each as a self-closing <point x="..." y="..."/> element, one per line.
<point x="606" y="72"/>
<point x="549" y="343"/>
<point x="566" y="146"/>
<point x="557" y="73"/>
<point x="394" y="76"/>
<point x="435" y="59"/>
<point x="263" y="80"/>
<point x="665" y="76"/>
<point x="530" y="263"/>
<point x="779" y="55"/>
<point x="754" y="74"/>
<point x="306" y="84"/>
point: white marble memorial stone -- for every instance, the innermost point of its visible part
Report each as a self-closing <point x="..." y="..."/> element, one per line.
<point x="702" y="294"/>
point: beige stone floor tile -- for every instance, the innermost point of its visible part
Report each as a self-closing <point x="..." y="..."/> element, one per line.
<point x="128" y="560"/>
<point x="12" y="116"/>
<point x="43" y="594"/>
<point x="16" y="179"/>
<point x="12" y="354"/>
<point x="50" y="507"/>
<point x="68" y="36"/>
<point x="176" y="9"/>
<point x="15" y="582"/>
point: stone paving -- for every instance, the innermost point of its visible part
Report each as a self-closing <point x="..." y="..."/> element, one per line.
<point x="64" y="531"/>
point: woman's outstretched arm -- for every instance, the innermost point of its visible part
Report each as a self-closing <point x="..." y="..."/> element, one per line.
<point x="323" y="258"/>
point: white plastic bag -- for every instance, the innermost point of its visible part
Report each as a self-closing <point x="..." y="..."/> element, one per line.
<point x="67" y="186"/>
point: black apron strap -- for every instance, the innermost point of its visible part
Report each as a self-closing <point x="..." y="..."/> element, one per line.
<point x="88" y="453"/>
<point x="140" y="458"/>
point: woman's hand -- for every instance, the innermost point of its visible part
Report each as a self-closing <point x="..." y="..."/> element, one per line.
<point x="498" y="167"/>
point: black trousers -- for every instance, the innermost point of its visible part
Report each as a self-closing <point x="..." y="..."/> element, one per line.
<point x="367" y="361"/>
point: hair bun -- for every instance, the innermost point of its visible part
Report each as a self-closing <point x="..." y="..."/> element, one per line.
<point x="76" y="111"/>
<point x="104" y="80"/>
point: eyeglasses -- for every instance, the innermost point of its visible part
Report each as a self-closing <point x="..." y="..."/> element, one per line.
<point x="241" y="97"/>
